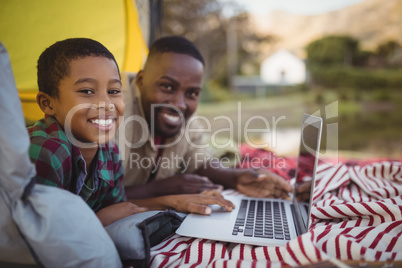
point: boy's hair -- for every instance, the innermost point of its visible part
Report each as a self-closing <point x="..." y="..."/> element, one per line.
<point x="54" y="62"/>
<point x="175" y="44"/>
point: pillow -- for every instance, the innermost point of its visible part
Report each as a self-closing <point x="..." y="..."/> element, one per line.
<point x="135" y="235"/>
<point x="62" y="230"/>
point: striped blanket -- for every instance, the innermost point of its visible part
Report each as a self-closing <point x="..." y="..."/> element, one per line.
<point x="357" y="214"/>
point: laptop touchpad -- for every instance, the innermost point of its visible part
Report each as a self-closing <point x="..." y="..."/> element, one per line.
<point x="219" y="213"/>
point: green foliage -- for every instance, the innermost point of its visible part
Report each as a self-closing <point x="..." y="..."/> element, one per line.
<point x="372" y="125"/>
<point x="387" y="55"/>
<point x="388" y="48"/>
<point x="362" y="57"/>
<point x="213" y="92"/>
<point x="337" y="62"/>
<point x="319" y="98"/>
<point x="382" y="95"/>
<point x="332" y="50"/>
<point x="357" y="78"/>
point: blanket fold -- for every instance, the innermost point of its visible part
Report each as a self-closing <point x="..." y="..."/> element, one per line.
<point x="357" y="215"/>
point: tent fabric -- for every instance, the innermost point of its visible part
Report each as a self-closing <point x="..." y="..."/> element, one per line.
<point x="15" y="163"/>
<point x="28" y="27"/>
<point x="14" y="140"/>
<point x="41" y="224"/>
<point x="136" y="46"/>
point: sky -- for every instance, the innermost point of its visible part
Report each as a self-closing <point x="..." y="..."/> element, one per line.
<point x="302" y="7"/>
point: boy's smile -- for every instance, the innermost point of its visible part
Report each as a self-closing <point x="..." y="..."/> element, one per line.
<point x="90" y="102"/>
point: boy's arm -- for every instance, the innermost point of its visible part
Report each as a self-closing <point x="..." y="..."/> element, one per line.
<point x="52" y="161"/>
<point x="118" y="211"/>
<point x="187" y="203"/>
<point x="251" y="182"/>
<point x="113" y="205"/>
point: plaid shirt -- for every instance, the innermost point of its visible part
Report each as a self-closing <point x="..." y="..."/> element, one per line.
<point x="59" y="163"/>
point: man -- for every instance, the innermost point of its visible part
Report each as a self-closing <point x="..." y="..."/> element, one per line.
<point x="162" y="150"/>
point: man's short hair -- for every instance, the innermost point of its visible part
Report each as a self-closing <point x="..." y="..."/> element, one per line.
<point x="175" y="44"/>
<point x="54" y="62"/>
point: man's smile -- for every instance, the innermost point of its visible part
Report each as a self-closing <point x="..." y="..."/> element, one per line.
<point x="173" y="119"/>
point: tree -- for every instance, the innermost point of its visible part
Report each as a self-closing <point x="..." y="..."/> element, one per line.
<point x="387" y="54"/>
<point x="204" y="23"/>
<point x="200" y="22"/>
<point x="387" y="49"/>
<point x="333" y="50"/>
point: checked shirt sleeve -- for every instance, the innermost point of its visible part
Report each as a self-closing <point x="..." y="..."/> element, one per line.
<point x="53" y="162"/>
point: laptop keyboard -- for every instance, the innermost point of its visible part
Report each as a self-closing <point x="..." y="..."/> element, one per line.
<point x="266" y="219"/>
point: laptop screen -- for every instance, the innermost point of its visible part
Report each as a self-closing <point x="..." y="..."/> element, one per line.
<point x="307" y="161"/>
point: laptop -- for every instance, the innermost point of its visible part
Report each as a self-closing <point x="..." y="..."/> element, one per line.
<point x="265" y="221"/>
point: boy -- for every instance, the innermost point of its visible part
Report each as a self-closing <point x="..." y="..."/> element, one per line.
<point x="80" y="94"/>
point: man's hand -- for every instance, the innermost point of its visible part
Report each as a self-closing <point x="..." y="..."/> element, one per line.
<point x="185" y="184"/>
<point x="303" y="191"/>
<point x="262" y="183"/>
<point x="112" y="213"/>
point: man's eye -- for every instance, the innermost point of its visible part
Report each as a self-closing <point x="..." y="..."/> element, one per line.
<point x="167" y="87"/>
<point x="194" y="94"/>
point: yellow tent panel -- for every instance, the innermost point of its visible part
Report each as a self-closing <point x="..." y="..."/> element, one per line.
<point x="29" y="27"/>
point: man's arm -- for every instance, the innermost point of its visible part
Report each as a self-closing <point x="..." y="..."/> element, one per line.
<point x="258" y="183"/>
<point x="227" y="177"/>
<point x="177" y="184"/>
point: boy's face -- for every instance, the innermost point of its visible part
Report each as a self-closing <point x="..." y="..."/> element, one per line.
<point x="90" y="102"/>
<point x="175" y="81"/>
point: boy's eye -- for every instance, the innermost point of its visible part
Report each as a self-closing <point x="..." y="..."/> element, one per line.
<point x="114" y="91"/>
<point x="87" y="91"/>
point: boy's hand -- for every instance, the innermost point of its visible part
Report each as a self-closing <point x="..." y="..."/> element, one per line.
<point x="198" y="203"/>
<point x="262" y="184"/>
<point x="186" y="184"/>
<point x="118" y="211"/>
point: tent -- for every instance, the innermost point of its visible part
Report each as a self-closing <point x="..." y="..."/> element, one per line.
<point x="29" y="27"/>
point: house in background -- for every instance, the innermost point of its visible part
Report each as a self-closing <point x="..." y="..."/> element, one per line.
<point x="283" y="68"/>
<point x="278" y="71"/>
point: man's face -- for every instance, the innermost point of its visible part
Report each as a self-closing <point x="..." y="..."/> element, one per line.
<point x="173" y="83"/>
<point x="90" y="102"/>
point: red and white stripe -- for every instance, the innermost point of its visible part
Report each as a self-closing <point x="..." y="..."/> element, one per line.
<point x="357" y="214"/>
